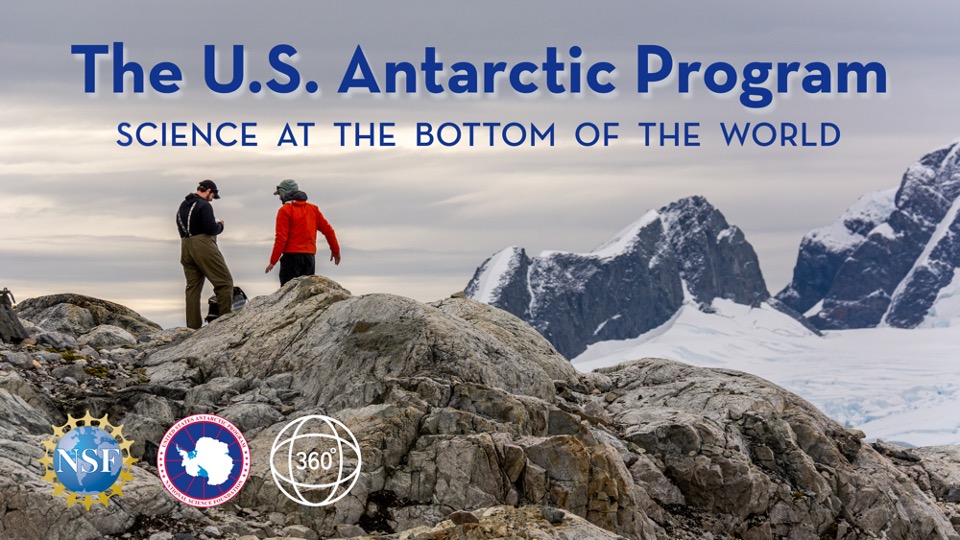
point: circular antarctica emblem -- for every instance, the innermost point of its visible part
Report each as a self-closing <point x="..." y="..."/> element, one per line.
<point x="315" y="460"/>
<point x="203" y="460"/>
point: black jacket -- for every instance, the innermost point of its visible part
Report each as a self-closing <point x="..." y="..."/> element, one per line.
<point x="201" y="221"/>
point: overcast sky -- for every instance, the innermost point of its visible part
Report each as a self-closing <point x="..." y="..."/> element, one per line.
<point x="78" y="213"/>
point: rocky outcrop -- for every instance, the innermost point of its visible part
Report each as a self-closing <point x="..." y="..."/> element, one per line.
<point x="471" y="425"/>
<point x="73" y="320"/>
<point x="889" y="257"/>
<point x="11" y="329"/>
<point x="510" y="522"/>
<point x="753" y="460"/>
<point x="632" y="284"/>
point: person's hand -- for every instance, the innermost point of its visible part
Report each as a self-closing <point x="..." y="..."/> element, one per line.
<point x="335" y="257"/>
<point x="269" y="268"/>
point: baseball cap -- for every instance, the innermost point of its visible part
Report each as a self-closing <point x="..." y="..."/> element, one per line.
<point x="209" y="184"/>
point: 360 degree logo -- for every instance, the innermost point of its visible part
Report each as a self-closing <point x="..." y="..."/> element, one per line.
<point x="315" y="460"/>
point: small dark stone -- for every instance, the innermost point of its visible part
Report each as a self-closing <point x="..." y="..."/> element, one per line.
<point x="894" y="452"/>
<point x="461" y="517"/>
<point x="551" y="514"/>
<point x="953" y="495"/>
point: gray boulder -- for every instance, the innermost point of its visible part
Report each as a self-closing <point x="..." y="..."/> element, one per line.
<point x="342" y="349"/>
<point x="76" y="314"/>
<point x="58" y="340"/>
<point x="107" y="336"/>
<point x="20" y="360"/>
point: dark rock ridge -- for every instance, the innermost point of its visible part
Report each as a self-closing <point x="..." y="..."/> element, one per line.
<point x="632" y="284"/>
<point x="888" y="257"/>
<point x="471" y="425"/>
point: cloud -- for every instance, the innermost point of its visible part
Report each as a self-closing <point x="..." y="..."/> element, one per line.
<point x="78" y="211"/>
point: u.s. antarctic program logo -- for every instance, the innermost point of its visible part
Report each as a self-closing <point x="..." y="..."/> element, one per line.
<point x="87" y="463"/>
<point x="203" y="460"/>
<point x="315" y="460"/>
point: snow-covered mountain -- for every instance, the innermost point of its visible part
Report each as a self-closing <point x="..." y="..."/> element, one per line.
<point x="631" y="284"/>
<point x="891" y="259"/>
<point x="893" y="384"/>
<point x="682" y="284"/>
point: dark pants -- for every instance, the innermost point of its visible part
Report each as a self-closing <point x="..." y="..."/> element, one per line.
<point x="201" y="258"/>
<point x="295" y="265"/>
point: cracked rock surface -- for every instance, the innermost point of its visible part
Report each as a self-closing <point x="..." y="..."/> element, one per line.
<point x="470" y="426"/>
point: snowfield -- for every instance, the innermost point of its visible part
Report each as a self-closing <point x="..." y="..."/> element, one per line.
<point x="901" y="386"/>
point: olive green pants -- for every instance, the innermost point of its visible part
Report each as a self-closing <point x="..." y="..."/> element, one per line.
<point x="201" y="258"/>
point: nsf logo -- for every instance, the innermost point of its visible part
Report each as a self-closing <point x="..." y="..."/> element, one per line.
<point x="315" y="460"/>
<point x="87" y="463"/>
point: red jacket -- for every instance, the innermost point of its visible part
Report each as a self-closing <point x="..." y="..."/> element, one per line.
<point x="297" y="226"/>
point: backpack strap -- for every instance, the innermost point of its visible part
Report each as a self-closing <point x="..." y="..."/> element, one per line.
<point x="186" y="230"/>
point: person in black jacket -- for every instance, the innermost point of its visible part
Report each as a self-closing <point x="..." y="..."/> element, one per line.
<point x="199" y="254"/>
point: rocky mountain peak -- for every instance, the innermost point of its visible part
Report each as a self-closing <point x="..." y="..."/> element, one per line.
<point x="500" y="281"/>
<point x="824" y="250"/>
<point x="930" y="186"/>
<point x="716" y="261"/>
<point x="685" y="251"/>
<point x="889" y="257"/>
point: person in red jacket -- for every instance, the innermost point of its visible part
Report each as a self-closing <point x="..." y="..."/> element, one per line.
<point x="295" y="245"/>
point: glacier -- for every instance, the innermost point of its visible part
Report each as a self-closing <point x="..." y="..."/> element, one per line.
<point x="897" y="385"/>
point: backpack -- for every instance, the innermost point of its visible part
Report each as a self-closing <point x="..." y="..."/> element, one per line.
<point x="213" y="310"/>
